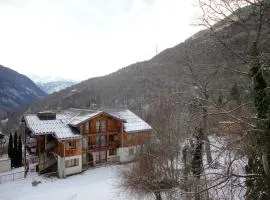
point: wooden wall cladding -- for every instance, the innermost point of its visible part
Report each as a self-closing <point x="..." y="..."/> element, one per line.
<point x="41" y="143"/>
<point x="60" y="148"/>
<point x="112" y="125"/>
<point x="62" y="151"/>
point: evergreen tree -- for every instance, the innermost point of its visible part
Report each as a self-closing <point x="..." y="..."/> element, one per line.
<point x="15" y="147"/>
<point x="258" y="163"/>
<point x="19" y="152"/>
<point x="10" y="149"/>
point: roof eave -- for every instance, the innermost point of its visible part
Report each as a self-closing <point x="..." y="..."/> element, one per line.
<point x="69" y="138"/>
<point x="102" y="112"/>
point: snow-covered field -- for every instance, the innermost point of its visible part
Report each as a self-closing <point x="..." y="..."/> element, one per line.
<point x="95" y="184"/>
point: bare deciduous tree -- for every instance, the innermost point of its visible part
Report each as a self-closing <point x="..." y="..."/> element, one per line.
<point x="251" y="19"/>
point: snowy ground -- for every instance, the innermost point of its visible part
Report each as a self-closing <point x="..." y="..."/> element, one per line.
<point x="95" y="184"/>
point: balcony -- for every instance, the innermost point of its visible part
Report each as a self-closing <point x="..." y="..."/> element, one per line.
<point x="103" y="133"/>
<point x="70" y="152"/>
<point x="106" y="146"/>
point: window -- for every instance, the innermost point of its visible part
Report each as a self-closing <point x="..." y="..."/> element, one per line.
<point x="101" y="142"/>
<point x="71" y="145"/>
<point x="100" y="156"/>
<point x="112" y="152"/>
<point x="103" y="126"/>
<point x="72" y="162"/>
<point x="100" y="126"/>
<point x="87" y="127"/>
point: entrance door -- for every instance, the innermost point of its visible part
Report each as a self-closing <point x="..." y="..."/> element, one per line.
<point x="87" y="159"/>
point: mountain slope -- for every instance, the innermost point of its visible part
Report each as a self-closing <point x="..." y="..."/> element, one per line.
<point x="169" y="74"/>
<point x="16" y="90"/>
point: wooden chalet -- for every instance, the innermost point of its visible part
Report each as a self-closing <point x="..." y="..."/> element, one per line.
<point x="72" y="140"/>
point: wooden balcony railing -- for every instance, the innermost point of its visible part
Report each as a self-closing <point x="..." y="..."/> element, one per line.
<point x="106" y="146"/>
<point x="104" y="133"/>
<point x="69" y="152"/>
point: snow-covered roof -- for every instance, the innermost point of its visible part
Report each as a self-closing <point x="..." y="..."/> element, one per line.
<point x="56" y="127"/>
<point x="83" y="117"/>
<point x="77" y="116"/>
<point x="62" y="126"/>
<point x="132" y="123"/>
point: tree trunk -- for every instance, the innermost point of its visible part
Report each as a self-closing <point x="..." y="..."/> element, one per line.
<point x="205" y="137"/>
<point x="208" y="150"/>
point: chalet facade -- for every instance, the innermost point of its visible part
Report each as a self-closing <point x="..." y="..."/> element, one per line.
<point x="72" y="140"/>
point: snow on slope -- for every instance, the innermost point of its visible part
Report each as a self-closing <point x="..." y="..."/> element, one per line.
<point x="95" y="184"/>
<point x="225" y="152"/>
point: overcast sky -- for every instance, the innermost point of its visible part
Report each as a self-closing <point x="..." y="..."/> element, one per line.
<point x="80" y="39"/>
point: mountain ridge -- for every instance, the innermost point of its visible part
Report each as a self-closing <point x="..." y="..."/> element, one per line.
<point x="16" y="90"/>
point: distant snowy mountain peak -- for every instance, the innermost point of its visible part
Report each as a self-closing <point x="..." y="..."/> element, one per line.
<point x="55" y="86"/>
<point x="46" y="79"/>
<point x="52" y="84"/>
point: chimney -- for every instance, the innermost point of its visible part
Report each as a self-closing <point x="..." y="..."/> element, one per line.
<point x="46" y="115"/>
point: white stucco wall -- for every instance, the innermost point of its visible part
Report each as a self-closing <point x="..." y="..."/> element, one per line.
<point x="125" y="155"/>
<point x="61" y="166"/>
<point x="75" y="169"/>
<point x="5" y="164"/>
<point x="63" y="171"/>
